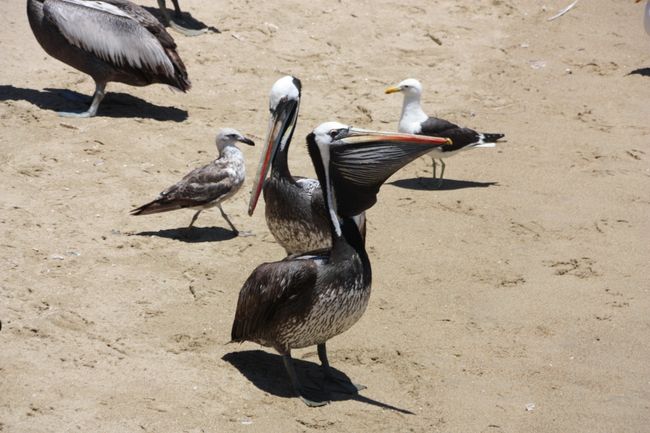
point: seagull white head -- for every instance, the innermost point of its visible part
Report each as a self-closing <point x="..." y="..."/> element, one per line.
<point x="409" y="87"/>
<point x="229" y="137"/>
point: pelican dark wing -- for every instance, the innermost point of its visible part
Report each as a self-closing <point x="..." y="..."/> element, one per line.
<point x="91" y="27"/>
<point x="270" y="295"/>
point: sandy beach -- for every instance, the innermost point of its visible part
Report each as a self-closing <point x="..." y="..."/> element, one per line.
<point x="514" y="298"/>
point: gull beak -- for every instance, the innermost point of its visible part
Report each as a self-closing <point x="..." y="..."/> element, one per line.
<point x="283" y="119"/>
<point x="392" y="89"/>
<point x="246" y="140"/>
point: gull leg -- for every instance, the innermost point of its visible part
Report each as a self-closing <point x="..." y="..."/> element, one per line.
<point x="347" y="386"/>
<point x="288" y="365"/>
<point x="232" y="226"/>
<point x="100" y="91"/>
<point x="433" y="164"/>
<point x="168" y="21"/>
<point x="442" y="172"/>
<point x="196" y="215"/>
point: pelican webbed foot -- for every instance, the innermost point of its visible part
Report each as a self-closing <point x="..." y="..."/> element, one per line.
<point x="343" y="385"/>
<point x="295" y="383"/>
<point x="100" y="91"/>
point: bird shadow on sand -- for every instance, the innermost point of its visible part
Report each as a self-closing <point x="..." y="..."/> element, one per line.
<point x="186" y="20"/>
<point x="266" y="371"/>
<point x="192" y="235"/>
<point x="113" y="105"/>
<point x="430" y="184"/>
<point x="645" y="72"/>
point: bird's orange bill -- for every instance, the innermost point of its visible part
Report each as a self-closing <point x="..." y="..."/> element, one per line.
<point x="277" y="137"/>
<point x="392" y="89"/>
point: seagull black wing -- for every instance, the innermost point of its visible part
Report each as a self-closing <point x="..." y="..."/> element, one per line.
<point x="460" y="137"/>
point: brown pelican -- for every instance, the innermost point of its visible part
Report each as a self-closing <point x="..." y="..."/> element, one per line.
<point x="295" y="211"/>
<point x="415" y="121"/>
<point x="207" y="186"/>
<point x="307" y="299"/>
<point x="168" y="21"/>
<point x="110" y="40"/>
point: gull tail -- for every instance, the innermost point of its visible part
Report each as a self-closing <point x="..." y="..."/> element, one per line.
<point x="489" y="139"/>
<point x="156" y="206"/>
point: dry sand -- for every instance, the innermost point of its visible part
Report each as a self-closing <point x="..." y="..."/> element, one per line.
<point x="522" y="282"/>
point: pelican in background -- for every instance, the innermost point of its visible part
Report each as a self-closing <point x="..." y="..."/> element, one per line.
<point x="646" y="19"/>
<point x="309" y="298"/>
<point x="207" y="186"/>
<point x="295" y="211"/>
<point x="110" y="40"/>
<point x="415" y="121"/>
<point x="168" y="21"/>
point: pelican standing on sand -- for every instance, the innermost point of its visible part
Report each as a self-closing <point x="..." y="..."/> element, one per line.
<point x="207" y="186"/>
<point x="110" y="40"/>
<point x="295" y="211"/>
<point x="307" y="299"/>
<point x="415" y="121"/>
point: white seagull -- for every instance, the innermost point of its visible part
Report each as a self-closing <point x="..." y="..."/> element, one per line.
<point x="415" y="121"/>
<point x="207" y="186"/>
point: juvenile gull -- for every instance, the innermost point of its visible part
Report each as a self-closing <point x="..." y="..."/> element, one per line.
<point x="110" y="40"/>
<point x="415" y="121"/>
<point x="207" y="186"/>
<point x="307" y="299"/>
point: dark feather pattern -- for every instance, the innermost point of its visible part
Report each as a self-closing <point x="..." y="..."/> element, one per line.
<point x="460" y="137"/>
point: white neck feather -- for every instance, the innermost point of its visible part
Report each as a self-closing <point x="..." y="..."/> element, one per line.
<point x="412" y="114"/>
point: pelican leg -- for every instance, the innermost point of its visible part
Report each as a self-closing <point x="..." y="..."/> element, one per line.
<point x="288" y="365"/>
<point x="433" y="161"/>
<point x="168" y="21"/>
<point x="177" y="8"/>
<point x="100" y="91"/>
<point x="347" y="386"/>
<point x="232" y="226"/>
<point x="196" y="215"/>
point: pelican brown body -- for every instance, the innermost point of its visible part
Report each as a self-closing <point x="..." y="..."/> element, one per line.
<point x="309" y="298"/>
<point x="111" y="40"/>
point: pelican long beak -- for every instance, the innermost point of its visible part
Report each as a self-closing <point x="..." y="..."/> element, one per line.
<point x="392" y="89"/>
<point x="360" y="161"/>
<point x="281" y="124"/>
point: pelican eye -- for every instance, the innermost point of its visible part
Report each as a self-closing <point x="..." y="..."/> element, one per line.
<point x="334" y="133"/>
